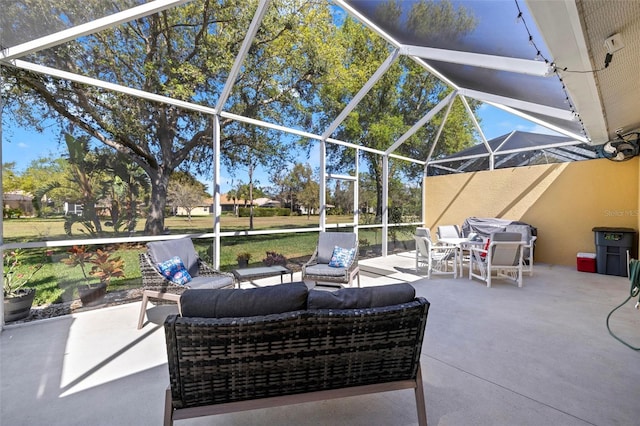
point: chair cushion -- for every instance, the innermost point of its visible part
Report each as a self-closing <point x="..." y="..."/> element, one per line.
<point x="233" y="303"/>
<point x="327" y="241"/>
<point x="342" y="257"/>
<point x="161" y="251"/>
<point x="324" y="270"/>
<point x="483" y="254"/>
<point x="211" y="282"/>
<point x="174" y="270"/>
<point x="369" y="297"/>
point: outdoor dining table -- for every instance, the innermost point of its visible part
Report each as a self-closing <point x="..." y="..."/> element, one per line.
<point x="459" y="243"/>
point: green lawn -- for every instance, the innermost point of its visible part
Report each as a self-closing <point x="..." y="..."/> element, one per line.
<point x="56" y="282"/>
<point x="33" y="229"/>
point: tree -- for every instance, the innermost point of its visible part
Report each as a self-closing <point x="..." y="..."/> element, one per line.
<point x="303" y="186"/>
<point x="400" y="98"/>
<point x="232" y="194"/>
<point x="185" y="192"/>
<point x="10" y="179"/>
<point x="184" y="53"/>
<point x="343" y="197"/>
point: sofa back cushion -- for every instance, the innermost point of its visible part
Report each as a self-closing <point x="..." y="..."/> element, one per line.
<point x="234" y="303"/>
<point x="161" y="251"/>
<point x="368" y="297"/>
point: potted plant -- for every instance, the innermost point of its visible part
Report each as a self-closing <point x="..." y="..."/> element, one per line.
<point x="104" y="266"/>
<point x="274" y="258"/>
<point x="243" y="259"/>
<point x="363" y="243"/>
<point x="18" y="299"/>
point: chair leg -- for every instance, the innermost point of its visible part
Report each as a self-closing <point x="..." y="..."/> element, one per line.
<point x="143" y="309"/>
<point x="168" y="409"/>
<point x="420" y="405"/>
<point x="146" y="294"/>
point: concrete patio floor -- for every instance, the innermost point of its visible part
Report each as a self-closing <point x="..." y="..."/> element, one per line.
<point x="537" y="355"/>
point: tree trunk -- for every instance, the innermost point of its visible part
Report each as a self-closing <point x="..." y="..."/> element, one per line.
<point x="157" y="204"/>
<point x="379" y="200"/>
<point x="250" y="197"/>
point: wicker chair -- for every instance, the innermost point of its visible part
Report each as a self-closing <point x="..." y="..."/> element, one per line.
<point x="157" y="286"/>
<point x="317" y="269"/>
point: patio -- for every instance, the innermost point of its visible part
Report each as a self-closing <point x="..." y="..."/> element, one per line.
<point x="537" y="355"/>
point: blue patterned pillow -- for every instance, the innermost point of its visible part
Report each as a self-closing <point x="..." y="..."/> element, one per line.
<point x="341" y="257"/>
<point x="175" y="271"/>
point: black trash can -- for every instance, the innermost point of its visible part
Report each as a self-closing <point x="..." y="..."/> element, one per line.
<point x="612" y="245"/>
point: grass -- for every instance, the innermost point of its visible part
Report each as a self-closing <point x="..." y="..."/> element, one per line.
<point x="57" y="282"/>
<point x="34" y="229"/>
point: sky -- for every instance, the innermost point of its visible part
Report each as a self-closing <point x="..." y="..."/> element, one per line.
<point x="23" y="146"/>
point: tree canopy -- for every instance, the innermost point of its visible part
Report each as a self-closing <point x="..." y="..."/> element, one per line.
<point x="301" y="70"/>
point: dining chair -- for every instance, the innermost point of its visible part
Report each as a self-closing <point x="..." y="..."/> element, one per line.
<point x="449" y="231"/>
<point x="502" y="256"/>
<point x="435" y="258"/>
<point x="529" y="240"/>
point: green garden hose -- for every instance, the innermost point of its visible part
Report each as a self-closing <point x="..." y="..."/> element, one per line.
<point x="634" y="277"/>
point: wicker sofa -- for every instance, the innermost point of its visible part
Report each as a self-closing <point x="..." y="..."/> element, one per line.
<point x="235" y="350"/>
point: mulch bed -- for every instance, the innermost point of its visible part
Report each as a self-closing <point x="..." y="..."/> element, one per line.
<point x="65" y="308"/>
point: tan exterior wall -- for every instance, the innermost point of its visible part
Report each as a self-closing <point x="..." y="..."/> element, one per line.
<point x="196" y="211"/>
<point x="564" y="201"/>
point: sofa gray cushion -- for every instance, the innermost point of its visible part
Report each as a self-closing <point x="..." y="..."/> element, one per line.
<point x="160" y="251"/>
<point x="369" y="297"/>
<point x="210" y="282"/>
<point x="233" y="303"/>
<point x="324" y="271"/>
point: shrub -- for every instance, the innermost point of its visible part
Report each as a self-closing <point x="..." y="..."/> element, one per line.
<point x="274" y="258"/>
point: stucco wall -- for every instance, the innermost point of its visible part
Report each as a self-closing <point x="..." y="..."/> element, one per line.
<point x="564" y="201"/>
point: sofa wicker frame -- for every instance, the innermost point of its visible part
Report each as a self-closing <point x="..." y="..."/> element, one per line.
<point x="235" y="364"/>
<point x="157" y="286"/>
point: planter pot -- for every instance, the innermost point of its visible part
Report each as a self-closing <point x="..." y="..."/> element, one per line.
<point x="91" y="294"/>
<point x="18" y="306"/>
<point x="243" y="263"/>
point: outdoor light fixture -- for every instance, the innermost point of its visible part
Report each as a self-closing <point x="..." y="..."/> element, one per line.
<point x="612" y="44"/>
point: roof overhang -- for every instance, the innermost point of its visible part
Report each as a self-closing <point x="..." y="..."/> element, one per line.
<point x="607" y="98"/>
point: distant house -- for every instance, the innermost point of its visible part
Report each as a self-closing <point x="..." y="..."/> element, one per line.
<point x="226" y="205"/>
<point x="72" y="209"/>
<point x="266" y="202"/>
<point x="19" y="200"/>
<point x="204" y="209"/>
<point x="303" y="210"/>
